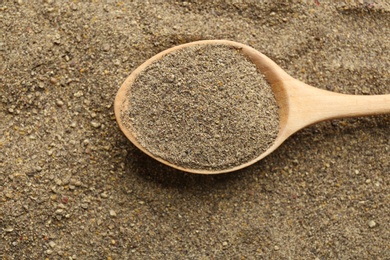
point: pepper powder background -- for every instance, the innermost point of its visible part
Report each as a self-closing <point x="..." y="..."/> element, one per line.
<point x="74" y="187"/>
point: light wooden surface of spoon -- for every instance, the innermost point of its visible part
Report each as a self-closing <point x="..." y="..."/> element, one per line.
<point x="300" y="104"/>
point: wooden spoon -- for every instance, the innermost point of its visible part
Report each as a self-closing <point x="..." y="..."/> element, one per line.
<point x="300" y="105"/>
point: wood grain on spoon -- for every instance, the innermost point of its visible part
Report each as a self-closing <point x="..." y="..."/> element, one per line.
<point x="299" y="104"/>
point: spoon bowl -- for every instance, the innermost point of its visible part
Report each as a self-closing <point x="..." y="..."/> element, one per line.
<point x="299" y="104"/>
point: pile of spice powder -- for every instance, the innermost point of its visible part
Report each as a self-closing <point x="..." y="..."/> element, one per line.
<point x="203" y="107"/>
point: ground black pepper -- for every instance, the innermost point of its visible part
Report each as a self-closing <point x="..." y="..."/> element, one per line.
<point x="203" y="107"/>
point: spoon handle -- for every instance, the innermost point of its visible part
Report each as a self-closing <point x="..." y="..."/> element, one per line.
<point x="309" y="105"/>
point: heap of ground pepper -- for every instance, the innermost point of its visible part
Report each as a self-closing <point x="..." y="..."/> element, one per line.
<point x="203" y="107"/>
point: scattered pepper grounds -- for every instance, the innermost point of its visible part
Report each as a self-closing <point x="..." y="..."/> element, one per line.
<point x="73" y="187"/>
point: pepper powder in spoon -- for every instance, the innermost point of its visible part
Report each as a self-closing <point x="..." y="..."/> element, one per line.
<point x="203" y="107"/>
